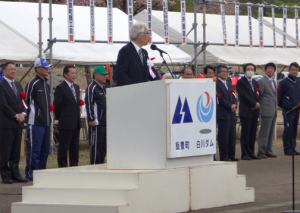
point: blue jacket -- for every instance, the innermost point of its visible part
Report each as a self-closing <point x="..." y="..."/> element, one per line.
<point x="289" y="93"/>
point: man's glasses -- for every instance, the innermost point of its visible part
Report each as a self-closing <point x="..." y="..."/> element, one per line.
<point x="11" y="69"/>
<point x="146" y="33"/>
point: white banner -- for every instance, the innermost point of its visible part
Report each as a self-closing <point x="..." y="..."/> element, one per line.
<point x="296" y="27"/>
<point x="192" y="124"/>
<point x="223" y="24"/>
<point x="92" y="20"/>
<point x="237" y="14"/>
<point x="149" y="13"/>
<point x="183" y="24"/>
<point x="250" y="25"/>
<point x="70" y="21"/>
<point x="273" y="27"/>
<point x="166" y="26"/>
<point x="130" y="13"/>
<point x="284" y="26"/>
<point x="109" y="21"/>
<point x="260" y="26"/>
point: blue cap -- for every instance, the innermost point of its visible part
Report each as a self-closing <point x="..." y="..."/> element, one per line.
<point x="41" y="62"/>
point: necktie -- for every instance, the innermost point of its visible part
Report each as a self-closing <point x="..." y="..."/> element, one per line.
<point x="141" y="55"/>
<point x="273" y="85"/>
<point x="73" y="91"/>
<point x="13" y="86"/>
<point x="251" y="84"/>
<point x="225" y="84"/>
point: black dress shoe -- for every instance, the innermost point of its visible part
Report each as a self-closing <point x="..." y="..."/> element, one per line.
<point x="255" y="157"/>
<point x="246" y="157"/>
<point x="288" y="153"/>
<point x="262" y="155"/>
<point x="296" y="153"/>
<point x="7" y="181"/>
<point x="20" y="180"/>
<point x="226" y="159"/>
<point x="234" y="159"/>
<point x="271" y="155"/>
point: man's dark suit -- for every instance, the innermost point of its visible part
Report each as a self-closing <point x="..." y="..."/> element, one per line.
<point x="129" y="69"/>
<point x="10" y="130"/>
<point x="248" y="98"/>
<point x="226" y="121"/>
<point x="67" y="112"/>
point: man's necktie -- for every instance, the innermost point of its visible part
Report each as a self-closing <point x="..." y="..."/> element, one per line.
<point x="225" y="84"/>
<point x="13" y="86"/>
<point x="141" y="55"/>
<point x="251" y="84"/>
<point x="273" y="84"/>
<point x="73" y="91"/>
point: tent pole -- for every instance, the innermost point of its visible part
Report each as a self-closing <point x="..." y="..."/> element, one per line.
<point x="26" y="73"/>
<point x="40" y="28"/>
<point x="204" y="32"/>
<point x="51" y="73"/>
<point x="195" y="37"/>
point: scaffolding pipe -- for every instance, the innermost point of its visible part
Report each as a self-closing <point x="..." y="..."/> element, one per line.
<point x="40" y="28"/>
<point x="204" y="34"/>
<point x="50" y="19"/>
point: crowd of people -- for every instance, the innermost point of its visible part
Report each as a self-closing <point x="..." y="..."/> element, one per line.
<point x="256" y="99"/>
<point x="33" y="104"/>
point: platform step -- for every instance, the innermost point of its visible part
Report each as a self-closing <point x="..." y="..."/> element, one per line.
<point x="63" y="208"/>
<point x="85" y="178"/>
<point x="75" y="195"/>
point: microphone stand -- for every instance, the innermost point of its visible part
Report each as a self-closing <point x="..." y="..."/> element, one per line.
<point x="165" y="63"/>
<point x="293" y="171"/>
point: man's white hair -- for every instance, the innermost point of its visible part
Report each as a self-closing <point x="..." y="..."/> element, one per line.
<point x="135" y="29"/>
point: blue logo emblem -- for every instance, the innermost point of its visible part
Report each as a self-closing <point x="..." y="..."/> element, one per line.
<point x="205" y="108"/>
<point x="185" y="112"/>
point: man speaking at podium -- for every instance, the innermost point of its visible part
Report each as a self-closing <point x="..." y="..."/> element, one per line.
<point x="133" y="61"/>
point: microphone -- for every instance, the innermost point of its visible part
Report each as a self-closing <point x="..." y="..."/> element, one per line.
<point x="154" y="47"/>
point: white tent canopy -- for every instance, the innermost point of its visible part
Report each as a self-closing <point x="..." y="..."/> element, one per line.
<point x="290" y="29"/>
<point x="214" y="34"/>
<point x="24" y="22"/>
<point x="25" y="51"/>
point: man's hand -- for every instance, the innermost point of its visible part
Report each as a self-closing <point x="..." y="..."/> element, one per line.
<point x="257" y="105"/>
<point x="92" y="123"/>
<point x="233" y="107"/>
<point x="20" y="117"/>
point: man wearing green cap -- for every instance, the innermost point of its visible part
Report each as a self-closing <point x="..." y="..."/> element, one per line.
<point x="95" y="99"/>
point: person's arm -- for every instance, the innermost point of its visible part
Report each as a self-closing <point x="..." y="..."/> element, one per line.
<point x="122" y="68"/>
<point x="4" y="106"/>
<point x="243" y="95"/>
<point x="222" y="100"/>
<point x="280" y="93"/>
<point x="58" y="99"/>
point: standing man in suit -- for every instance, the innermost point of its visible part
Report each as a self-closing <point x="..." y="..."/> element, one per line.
<point x="95" y="99"/>
<point x="39" y="119"/>
<point x="12" y="116"/>
<point x="226" y="118"/>
<point x="209" y="72"/>
<point x="67" y="112"/>
<point x="132" y="62"/>
<point x="288" y="100"/>
<point x="187" y="73"/>
<point x="248" y="92"/>
<point x="268" y="112"/>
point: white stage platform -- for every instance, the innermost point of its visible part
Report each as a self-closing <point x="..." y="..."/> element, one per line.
<point x="91" y="189"/>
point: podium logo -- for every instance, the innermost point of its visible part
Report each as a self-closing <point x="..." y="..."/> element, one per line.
<point x="205" y="108"/>
<point x="182" y="112"/>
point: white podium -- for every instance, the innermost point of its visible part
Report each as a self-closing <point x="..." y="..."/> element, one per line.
<point x="161" y="141"/>
<point x="140" y="131"/>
